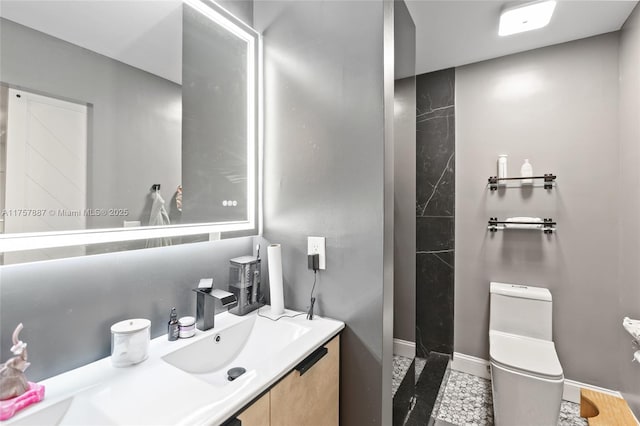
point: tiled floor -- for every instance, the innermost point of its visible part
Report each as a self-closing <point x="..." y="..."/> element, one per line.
<point x="466" y="400"/>
<point x="400" y="367"/>
<point x="430" y="382"/>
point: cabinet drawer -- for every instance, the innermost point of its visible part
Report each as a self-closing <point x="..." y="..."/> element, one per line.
<point x="309" y="397"/>
<point x="257" y="414"/>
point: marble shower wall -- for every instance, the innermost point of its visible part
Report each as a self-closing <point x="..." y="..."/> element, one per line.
<point x="435" y="199"/>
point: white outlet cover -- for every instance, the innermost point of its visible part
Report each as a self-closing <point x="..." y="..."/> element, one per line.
<point x="318" y="245"/>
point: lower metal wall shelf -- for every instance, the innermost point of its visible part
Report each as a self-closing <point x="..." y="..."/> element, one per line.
<point x="547" y="225"/>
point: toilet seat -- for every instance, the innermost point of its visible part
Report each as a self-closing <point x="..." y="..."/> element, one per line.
<point x="525" y="354"/>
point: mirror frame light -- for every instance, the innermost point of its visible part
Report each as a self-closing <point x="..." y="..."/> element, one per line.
<point x="251" y="226"/>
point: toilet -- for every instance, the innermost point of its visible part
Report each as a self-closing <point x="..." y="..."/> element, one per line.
<point x="526" y="375"/>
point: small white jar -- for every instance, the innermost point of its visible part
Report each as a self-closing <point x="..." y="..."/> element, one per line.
<point x="130" y="342"/>
<point x="187" y="327"/>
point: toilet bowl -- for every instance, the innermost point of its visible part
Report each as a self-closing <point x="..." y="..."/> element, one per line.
<point x="526" y="375"/>
<point x="526" y="379"/>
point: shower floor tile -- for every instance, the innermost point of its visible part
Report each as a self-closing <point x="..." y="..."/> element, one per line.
<point x="430" y="384"/>
<point x="401" y="365"/>
<point x="467" y="401"/>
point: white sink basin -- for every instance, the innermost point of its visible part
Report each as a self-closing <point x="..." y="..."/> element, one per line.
<point x="249" y="344"/>
<point x="183" y="382"/>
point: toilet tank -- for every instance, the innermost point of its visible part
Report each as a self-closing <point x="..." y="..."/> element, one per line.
<point x="521" y="310"/>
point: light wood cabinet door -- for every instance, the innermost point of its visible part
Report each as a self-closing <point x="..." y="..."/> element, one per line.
<point x="310" y="398"/>
<point x="258" y="413"/>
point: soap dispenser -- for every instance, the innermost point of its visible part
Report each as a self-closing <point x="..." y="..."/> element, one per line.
<point x="173" y="328"/>
<point x="526" y="171"/>
<point x="502" y="166"/>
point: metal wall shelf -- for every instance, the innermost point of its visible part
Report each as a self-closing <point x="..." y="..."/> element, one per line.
<point x="548" y="180"/>
<point x="548" y="226"/>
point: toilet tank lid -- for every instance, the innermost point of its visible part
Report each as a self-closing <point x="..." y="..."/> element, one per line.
<point x="522" y="291"/>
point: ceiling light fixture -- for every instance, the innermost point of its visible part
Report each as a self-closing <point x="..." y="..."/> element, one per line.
<point x="526" y="17"/>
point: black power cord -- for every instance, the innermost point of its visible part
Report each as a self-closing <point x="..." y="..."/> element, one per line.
<point x="313" y="299"/>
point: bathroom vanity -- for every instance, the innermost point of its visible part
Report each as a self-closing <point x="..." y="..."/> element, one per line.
<point x="301" y="397"/>
<point x="292" y="376"/>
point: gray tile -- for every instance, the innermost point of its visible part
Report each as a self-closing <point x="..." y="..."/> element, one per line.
<point x="467" y="401"/>
<point x="400" y="367"/>
<point x="434" y="303"/>
<point x="570" y="415"/>
<point x="435" y="143"/>
<point x="435" y="211"/>
<point x="442" y="423"/>
<point x="428" y="387"/>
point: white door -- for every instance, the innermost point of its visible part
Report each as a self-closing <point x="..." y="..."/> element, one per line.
<point x="46" y="169"/>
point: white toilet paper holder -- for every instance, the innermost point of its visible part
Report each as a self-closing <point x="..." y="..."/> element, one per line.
<point x="633" y="327"/>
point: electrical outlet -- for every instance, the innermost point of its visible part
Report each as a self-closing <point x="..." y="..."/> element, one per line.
<point x="316" y="245"/>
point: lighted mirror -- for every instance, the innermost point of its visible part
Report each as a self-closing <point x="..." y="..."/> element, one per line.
<point x="133" y="123"/>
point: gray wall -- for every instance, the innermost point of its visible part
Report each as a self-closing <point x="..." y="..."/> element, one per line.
<point x="388" y="219"/>
<point x="404" y="41"/>
<point x="629" y="267"/>
<point x="241" y="9"/>
<point x="136" y="126"/>
<point x="558" y="107"/>
<point x="404" y="285"/>
<point x="4" y="101"/>
<point x="324" y="164"/>
<point x="68" y="306"/>
<point x="404" y="127"/>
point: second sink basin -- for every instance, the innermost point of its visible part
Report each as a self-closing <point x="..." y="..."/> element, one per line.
<point x="70" y="411"/>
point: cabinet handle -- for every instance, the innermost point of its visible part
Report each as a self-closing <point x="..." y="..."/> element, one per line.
<point x="309" y="361"/>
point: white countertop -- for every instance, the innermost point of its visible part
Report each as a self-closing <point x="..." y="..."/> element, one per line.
<point x="155" y="392"/>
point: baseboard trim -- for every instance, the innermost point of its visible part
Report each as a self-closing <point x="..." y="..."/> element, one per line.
<point x="480" y="367"/>
<point x="404" y="348"/>
<point x="471" y="365"/>
<point x="572" y="390"/>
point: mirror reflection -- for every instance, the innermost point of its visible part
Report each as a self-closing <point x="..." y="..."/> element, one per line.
<point x="124" y="114"/>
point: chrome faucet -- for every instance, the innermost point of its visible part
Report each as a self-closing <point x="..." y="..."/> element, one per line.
<point x="209" y="302"/>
